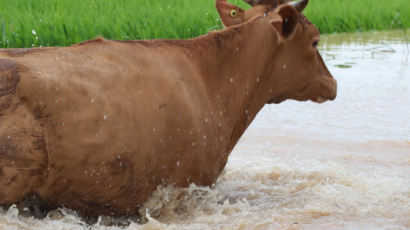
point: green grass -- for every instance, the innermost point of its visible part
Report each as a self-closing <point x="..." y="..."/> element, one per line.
<point x="359" y="15"/>
<point x="28" y="23"/>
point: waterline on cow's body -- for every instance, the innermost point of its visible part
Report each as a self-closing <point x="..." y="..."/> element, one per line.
<point x="339" y="165"/>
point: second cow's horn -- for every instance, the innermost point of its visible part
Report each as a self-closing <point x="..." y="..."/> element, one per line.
<point x="299" y="5"/>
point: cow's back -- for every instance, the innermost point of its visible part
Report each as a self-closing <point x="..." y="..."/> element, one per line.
<point x="116" y="120"/>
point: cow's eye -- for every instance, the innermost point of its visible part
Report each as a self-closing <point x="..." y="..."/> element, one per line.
<point x="234" y="13"/>
<point x="315" y="43"/>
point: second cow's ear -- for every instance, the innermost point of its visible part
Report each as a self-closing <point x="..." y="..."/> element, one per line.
<point x="286" y="23"/>
<point x="230" y="14"/>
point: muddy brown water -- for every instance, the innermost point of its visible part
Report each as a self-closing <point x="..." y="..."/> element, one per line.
<point x="339" y="165"/>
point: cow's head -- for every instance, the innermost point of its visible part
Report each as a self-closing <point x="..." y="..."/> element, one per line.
<point x="298" y="71"/>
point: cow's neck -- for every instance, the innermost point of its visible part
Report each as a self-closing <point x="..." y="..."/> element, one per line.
<point x="233" y="65"/>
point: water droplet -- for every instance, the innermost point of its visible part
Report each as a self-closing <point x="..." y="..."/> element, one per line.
<point x="178" y="163"/>
<point x="284" y="66"/>
<point x="33" y="32"/>
<point x="232" y="80"/>
<point x="204" y="137"/>
<point x="92" y="100"/>
<point x="206" y="120"/>
<point x="237" y="49"/>
<point x="105" y="116"/>
<point x="257" y="79"/>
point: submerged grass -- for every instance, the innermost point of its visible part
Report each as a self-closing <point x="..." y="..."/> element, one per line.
<point x="28" y="23"/>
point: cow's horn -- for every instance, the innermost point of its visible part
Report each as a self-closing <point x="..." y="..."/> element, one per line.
<point x="299" y="5"/>
<point x="260" y="2"/>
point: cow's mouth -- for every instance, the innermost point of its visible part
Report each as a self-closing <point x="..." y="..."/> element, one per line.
<point x="277" y="100"/>
<point x="320" y="99"/>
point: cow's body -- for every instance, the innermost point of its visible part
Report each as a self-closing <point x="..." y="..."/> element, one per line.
<point x="96" y="127"/>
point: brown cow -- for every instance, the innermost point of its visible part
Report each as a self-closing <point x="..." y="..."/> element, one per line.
<point x="97" y="126"/>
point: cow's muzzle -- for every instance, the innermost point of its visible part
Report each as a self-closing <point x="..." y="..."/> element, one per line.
<point x="328" y="90"/>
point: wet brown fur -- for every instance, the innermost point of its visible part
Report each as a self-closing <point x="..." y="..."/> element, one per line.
<point x="97" y="126"/>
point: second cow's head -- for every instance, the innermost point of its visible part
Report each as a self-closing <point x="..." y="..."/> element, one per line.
<point x="233" y="15"/>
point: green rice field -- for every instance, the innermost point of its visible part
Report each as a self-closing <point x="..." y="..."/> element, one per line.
<point x="33" y="23"/>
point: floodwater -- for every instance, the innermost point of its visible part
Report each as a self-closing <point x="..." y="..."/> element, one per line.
<point x="338" y="165"/>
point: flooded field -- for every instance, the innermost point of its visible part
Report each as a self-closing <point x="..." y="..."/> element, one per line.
<point x="339" y="165"/>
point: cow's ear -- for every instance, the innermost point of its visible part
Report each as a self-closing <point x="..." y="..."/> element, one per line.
<point x="286" y="23"/>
